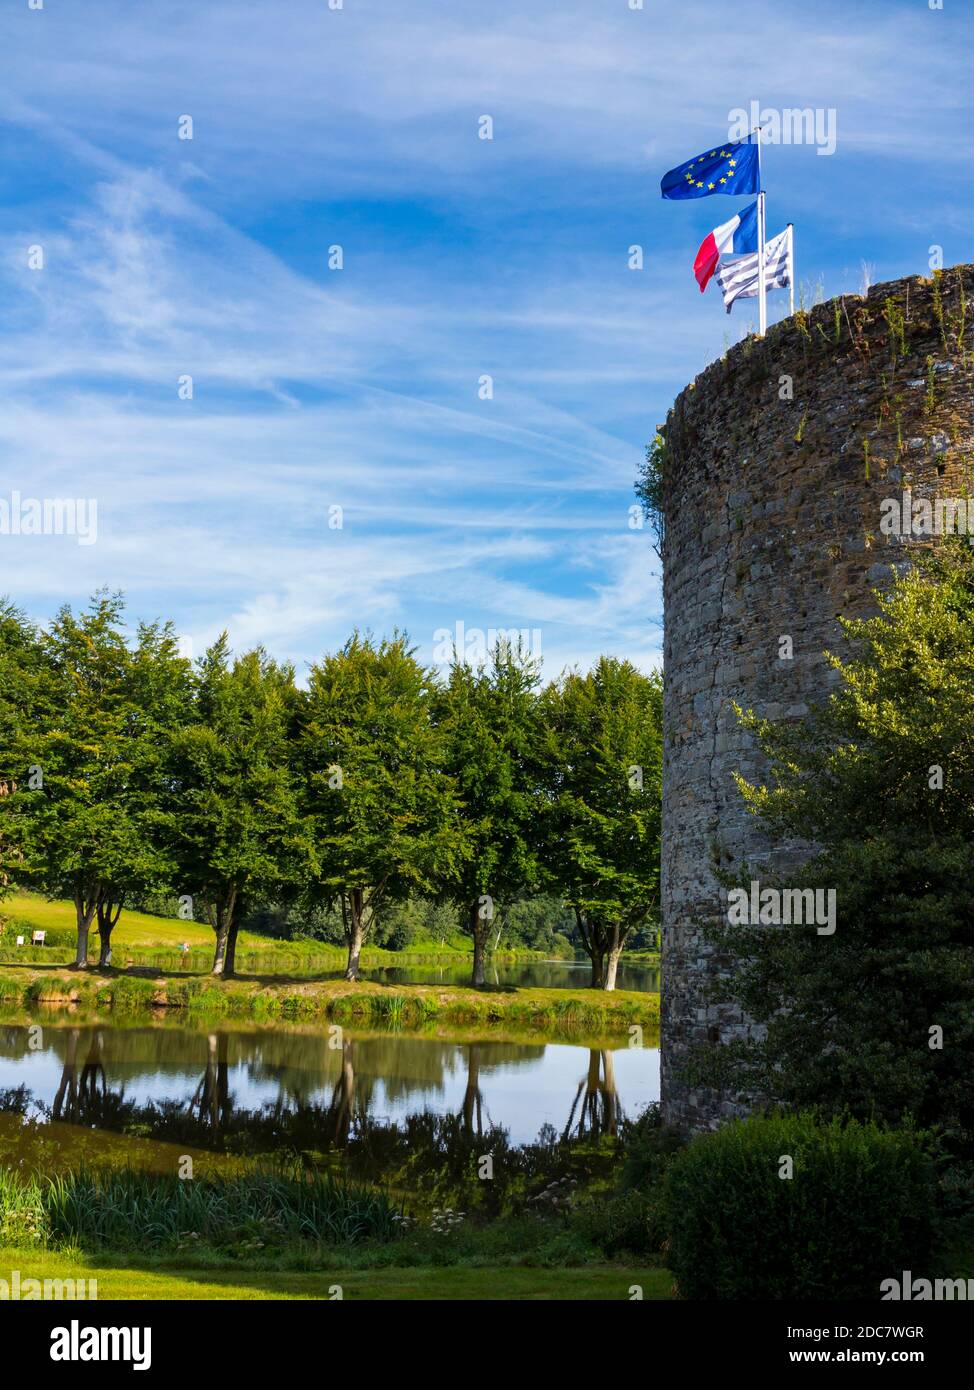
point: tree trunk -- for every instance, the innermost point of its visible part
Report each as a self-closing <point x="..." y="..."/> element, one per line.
<point x="226" y="923"/>
<point x="84" y="912"/>
<point x="613" y="952"/>
<point x="354" y="952"/>
<point x="230" y="960"/>
<point x="108" y="915"/>
<point x="222" y="932"/>
<point x="480" y="930"/>
<point x="357" y="921"/>
<point x="594" y="948"/>
<point x="612" y="965"/>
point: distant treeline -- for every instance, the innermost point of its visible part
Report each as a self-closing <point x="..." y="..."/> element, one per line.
<point x="384" y="802"/>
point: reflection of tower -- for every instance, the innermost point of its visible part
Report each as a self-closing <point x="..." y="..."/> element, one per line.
<point x="599" y="1112"/>
<point x="211" y="1099"/>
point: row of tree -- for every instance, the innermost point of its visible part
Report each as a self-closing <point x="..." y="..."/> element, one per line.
<point x="129" y="770"/>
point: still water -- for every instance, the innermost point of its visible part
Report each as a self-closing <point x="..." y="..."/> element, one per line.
<point x="535" y="974"/>
<point x="541" y="974"/>
<point x="259" y="1090"/>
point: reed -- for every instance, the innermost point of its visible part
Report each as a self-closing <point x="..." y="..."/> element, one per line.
<point x="132" y="1210"/>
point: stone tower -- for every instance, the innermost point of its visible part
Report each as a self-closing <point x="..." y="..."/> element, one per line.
<point x="777" y="460"/>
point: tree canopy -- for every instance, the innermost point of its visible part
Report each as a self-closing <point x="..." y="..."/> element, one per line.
<point x="602" y="763"/>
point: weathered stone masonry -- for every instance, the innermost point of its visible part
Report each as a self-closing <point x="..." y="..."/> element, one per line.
<point x="773" y="529"/>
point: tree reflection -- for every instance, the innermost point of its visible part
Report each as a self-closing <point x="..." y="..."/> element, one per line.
<point x="84" y="1096"/>
<point x="472" y="1108"/>
<point x="211" y="1100"/>
<point x="596" y="1102"/>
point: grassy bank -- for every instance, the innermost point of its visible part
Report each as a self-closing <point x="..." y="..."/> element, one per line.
<point x="121" y="1278"/>
<point x="264" y="998"/>
<point x="144" y="940"/>
<point x="287" y="1231"/>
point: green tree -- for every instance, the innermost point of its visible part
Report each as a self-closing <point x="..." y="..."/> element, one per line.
<point x="24" y="694"/>
<point x="382" y="809"/>
<point x="84" y="820"/>
<point x="235" y="827"/>
<point x="488" y="717"/>
<point x="878" y="1017"/>
<point x="601" y="828"/>
<point x="538" y="923"/>
<point x="159" y="687"/>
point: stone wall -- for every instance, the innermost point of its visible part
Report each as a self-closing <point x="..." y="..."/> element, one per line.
<point x="773" y="530"/>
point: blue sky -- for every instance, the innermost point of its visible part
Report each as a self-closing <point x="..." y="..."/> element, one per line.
<point x="358" y="388"/>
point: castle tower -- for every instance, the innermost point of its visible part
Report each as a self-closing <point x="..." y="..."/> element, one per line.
<point x="777" y="460"/>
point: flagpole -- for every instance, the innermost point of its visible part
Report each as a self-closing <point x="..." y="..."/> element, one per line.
<point x="791" y="258"/>
<point x="762" y="288"/>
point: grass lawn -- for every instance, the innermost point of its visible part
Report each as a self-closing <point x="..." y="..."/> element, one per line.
<point x="119" y="1279"/>
<point x="139" y="933"/>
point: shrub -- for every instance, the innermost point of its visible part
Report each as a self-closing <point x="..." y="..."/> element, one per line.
<point x="648" y="1146"/>
<point x="630" y="1221"/>
<point x="23" y="1218"/>
<point x="859" y="1208"/>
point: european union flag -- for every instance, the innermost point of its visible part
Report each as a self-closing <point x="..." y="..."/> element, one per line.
<point x="730" y="168"/>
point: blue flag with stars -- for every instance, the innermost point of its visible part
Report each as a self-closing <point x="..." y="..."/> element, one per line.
<point x="729" y="168"/>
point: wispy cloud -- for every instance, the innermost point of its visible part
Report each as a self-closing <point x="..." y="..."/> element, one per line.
<point x="464" y="260"/>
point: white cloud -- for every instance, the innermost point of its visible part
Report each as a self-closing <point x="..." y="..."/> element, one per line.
<point x="464" y="257"/>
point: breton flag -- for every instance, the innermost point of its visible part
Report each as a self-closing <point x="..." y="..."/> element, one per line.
<point x="737" y="237"/>
<point x="739" y="279"/>
<point x="733" y="167"/>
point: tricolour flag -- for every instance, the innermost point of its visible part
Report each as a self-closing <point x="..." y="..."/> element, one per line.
<point x="730" y="168"/>
<point x="739" y="279"/>
<point x="734" y="238"/>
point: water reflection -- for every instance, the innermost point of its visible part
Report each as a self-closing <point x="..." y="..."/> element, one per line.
<point x="256" y="1092"/>
<point x="545" y="974"/>
<point x="596" y="1102"/>
<point x="642" y="976"/>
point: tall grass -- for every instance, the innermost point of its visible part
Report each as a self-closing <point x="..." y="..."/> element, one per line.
<point x="130" y="1210"/>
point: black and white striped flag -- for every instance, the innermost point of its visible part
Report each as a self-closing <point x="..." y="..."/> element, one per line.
<point x="738" y="279"/>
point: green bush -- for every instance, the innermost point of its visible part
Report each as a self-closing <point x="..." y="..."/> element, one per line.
<point x="60" y="938"/>
<point x="859" y="1208"/>
<point x="630" y="1221"/>
<point x="647" y="1147"/>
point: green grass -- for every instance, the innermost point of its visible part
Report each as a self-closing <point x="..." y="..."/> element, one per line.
<point x="142" y="939"/>
<point x="128" y="1210"/>
<point x="554" y="1011"/>
<point x="120" y="1278"/>
<point x="276" y="980"/>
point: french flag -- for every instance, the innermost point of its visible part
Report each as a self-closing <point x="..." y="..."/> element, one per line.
<point x="738" y="237"/>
